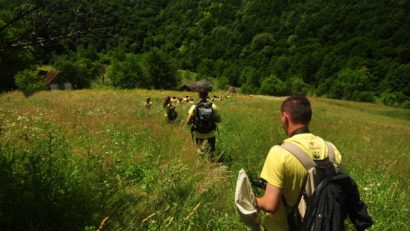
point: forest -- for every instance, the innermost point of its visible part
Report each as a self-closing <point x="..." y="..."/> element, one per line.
<point x="353" y="50"/>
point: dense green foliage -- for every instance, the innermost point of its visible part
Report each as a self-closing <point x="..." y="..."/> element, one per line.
<point x="80" y="68"/>
<point x="239" y="42"/>
<point x="29" y="82"/>
<point x="127" y="73"/>
<point x="42" y="182"/>
<point x="160" y="70"/>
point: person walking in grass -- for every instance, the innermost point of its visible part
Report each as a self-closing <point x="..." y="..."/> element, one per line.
<point x="284" y="173"/>
<point x="203" y="117"/>
<point x="169" y="110"/>
<point x="148" y="104"/>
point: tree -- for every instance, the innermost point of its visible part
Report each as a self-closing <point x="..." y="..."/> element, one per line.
<point x="30" y="30"/>
<point x="262" y="40"/>
<point x="331" y="65"/>
<point x="232" y="73"/>
<point x="206" y="68"/>
<point x="249" y="76"/>
<point x="160" y="69"/>
<point x="80" y="67"/>
<point x="128" y="73"/>
<point x="13" y="61"/>
<point x="296" y="86"/>
<point x="398" y="80"/>
<point x="396" y="86"/>
<point x="285" y="38"/>
<point x="351" y="84"/>
<point x="29" y="81"/>
<point x="248" y="88"/>
<point x="46" y="23"/>
<point x="273" y="86"/>
<point x="280" y="66"/>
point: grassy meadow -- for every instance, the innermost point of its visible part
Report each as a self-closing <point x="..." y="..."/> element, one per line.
<point x="95" y="159"/>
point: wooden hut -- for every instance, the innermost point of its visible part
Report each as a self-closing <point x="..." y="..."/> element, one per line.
<point x="54" y="81"/>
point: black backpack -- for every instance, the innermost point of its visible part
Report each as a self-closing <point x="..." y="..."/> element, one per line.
<point x="172" y="113"/>
<point x="204" y="117"/>
<point x="328" y="197"/>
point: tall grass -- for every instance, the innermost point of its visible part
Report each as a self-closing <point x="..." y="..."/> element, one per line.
<point x="83" y="160"/>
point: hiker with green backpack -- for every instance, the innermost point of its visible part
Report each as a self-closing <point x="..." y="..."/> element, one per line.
<point x="203" y="117"/>
<point x="304" y="189"/>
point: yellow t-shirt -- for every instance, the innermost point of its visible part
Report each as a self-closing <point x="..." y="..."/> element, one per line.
<point x="204" y="135"/>
<point x="284" y="171"/>
<point x="148" y="105"/>
<point x="166" y="109"/>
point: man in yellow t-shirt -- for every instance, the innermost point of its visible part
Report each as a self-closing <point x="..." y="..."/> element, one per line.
<point x="283" y="172"/>
<point x="204" y="124"/>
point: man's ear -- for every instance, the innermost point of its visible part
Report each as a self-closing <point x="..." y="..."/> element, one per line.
<point x="285" y="120"/>
<point x="285" y="117"/>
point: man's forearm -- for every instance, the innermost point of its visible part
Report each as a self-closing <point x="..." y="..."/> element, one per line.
<point x="264" y="205"/>
<point x="269" y="202"/>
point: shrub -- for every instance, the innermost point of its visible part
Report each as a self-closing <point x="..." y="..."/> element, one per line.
<point x="128" y="73"/>
<point x="206" y="68"/>
<point x="392" y="98"/>
<point x="232" y="73"/>
<point x="297" y="86"/>
<point x="75" y="72"/>
<point x="43" y="186"/>
<point x="29" y="81"/>
<point x="397" y="80"/>
<point x="222" y="83"/>
<point x="323" y="87"/>
<point x="349" y="81"/>
<point x="80" y="67"/>
<point x="249" y="76"/>
<point x="406" y="104"/>
<point x="249" y="80"/>
<point x="273" y="86"/>
<point x="261" y="41"/>
<point x="280" y="65"/>
<point x="248" y="89"/>
<point x="366" y="96"/>
<point x="13" y="61"/>
<point x="336" y="90"/>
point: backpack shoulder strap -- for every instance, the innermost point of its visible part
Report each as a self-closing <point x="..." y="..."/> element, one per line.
<point x="301" y="155"/>
<point x="331" y="152"/>
<point x="197" y="105"/>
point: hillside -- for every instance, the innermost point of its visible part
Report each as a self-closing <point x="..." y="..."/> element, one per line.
<point x="72" y="159"/>
<point x="355" y="50"/>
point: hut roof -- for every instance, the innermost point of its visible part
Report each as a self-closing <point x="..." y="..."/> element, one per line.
<point x="49" y="76"/>
<point x="196" y="85"/>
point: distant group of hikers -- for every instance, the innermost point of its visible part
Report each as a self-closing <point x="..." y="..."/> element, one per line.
<point x="287" y="171"/>
<point x="203" y="117"/>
